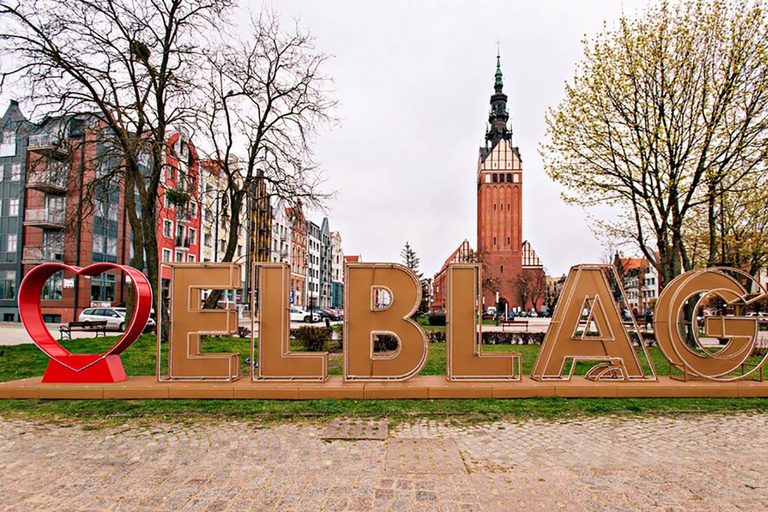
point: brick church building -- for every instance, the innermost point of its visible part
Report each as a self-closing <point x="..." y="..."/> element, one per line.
<point x="512" y="273"/>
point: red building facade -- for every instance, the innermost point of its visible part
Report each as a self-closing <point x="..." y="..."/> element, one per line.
<point x="74" y="214"/>
<point x="179" y="207"/>
<point x="298" y="255"/>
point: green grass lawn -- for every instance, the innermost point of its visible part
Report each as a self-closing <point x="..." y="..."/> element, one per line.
<point x="27" y="361"/>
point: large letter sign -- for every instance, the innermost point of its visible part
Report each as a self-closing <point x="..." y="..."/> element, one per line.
<point x="364" y="285"/>
<point x="696" y="313"/>
<point x="65" y="366"/>
<point x="464" y="357"/>
<point x="189" y="321"/>
<point x="741" y="333"/>
<point x="586" y="326"/>
<point x="274" y="326"/>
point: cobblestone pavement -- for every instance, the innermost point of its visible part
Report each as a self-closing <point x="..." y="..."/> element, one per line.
<point x="649" y="463"/>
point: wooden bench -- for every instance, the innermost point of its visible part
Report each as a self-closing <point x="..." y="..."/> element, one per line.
<point x="98" y="327"/>
<point x="513" y="322"/>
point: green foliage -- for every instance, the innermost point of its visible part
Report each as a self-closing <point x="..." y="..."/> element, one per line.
<point x="313" y="339"/>
<point x="177" y="196"/>
<point x="666" y="114"/>
<point x="437" y="319"/>
<point x="384" y="343"/>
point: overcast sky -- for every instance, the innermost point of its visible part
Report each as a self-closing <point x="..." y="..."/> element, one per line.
<point x="414" y="81"/>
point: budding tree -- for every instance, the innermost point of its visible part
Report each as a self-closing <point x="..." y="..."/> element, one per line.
<point x="666" y="113"/>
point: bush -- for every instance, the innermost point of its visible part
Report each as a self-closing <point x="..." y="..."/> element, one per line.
<point x="513" y="338"/>
<point x="437" y="319"/>
<point x="436" y="336"/>
<point x="384" y="343"/>
<point x="314" y="339"/>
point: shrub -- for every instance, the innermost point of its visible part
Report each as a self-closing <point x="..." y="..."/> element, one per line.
<point x="437" y="319"/>
<point x="384" y="343"/>
<point x="314" y="339"/>
<point x="513" y="338"/>
<point x="436" y="336"/>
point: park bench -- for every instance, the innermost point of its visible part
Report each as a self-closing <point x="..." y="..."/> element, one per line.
<point x="513" y="322"/>
<point x="98" y="327"/>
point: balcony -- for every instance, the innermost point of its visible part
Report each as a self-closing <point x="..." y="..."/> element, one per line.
<point x="49" y="145"/>
<point x="52" y="179"/>
<point x="182" y="242"/>
<point x="45" y="218"/>
<point x="182" y="217"/>
<point x="41" y="254"/>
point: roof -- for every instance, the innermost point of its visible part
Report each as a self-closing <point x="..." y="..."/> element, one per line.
<point x="352" y="258"/>
<point x="460" y="255"/>
<point x="632" y="263"/>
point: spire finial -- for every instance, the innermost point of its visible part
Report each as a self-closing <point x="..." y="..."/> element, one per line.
<point x="499" y="82"/>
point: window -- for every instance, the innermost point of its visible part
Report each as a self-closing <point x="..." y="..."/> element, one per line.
<point x="103" y="287"/>
<point x="192" y="233"/>
<point x="179" y="256"/>
<point x="222" y="245"/>
<point x="8" y="143"/>
<point x="509" y="177"/>
<point x="111" y="246"/>
<point x="509" y="241"/>
<point x="13" y="207"/>
<point x="11" y="245"/>
<point x="495" y="178"/>
<point x="52" y="287"/>
<point x="501" y="270"/>
<point x="502" y="207"/>
<point x="193" y="210"/>
<point x="15" y="174"/>
<point x="494" y="240"/>
<point x="8" y="284"/>
<point x="517" y="178"/>
<point x="494" y="207"/>
<point x="239" y="250"/>
<point x="208" y="240"/>
<point x="166" y="255"/>
<point x="167" y="228"/>
<point x="191" y="258"/>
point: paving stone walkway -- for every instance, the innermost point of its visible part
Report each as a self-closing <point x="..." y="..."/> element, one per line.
<point x="710" y="462"/>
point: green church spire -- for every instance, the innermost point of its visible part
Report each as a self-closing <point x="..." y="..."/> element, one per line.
<point x="499" y="82"/>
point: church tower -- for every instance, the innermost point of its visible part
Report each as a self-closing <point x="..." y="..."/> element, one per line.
<point x="499" y="205"/>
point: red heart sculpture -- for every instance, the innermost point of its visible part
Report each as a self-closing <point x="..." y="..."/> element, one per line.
<point x="68" y="367"/>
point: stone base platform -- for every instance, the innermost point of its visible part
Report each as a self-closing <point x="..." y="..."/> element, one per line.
<point x="426" y="386"/>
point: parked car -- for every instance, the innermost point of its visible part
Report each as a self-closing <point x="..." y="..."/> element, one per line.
<point x="301" y="315"/>
<point x="114" y="318"/>
<point x="151" y="324"/>
<point x="332" y="314"/>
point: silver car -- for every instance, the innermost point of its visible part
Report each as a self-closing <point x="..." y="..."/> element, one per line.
<point x="114" y="318"/>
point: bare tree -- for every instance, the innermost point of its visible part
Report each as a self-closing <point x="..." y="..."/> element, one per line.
<point x="266" y="100"/>
<point x="665" y="114"/>
<point x="130" y="64"/>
